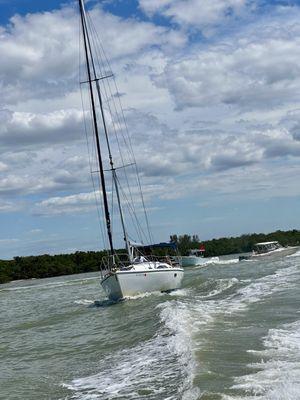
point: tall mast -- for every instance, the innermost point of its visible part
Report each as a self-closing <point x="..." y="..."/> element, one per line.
<point x="113" y="169"/>
<point x="88" y="55"/>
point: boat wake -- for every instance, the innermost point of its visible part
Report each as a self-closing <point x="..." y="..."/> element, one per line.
<point x="216" y="287"/>
<point x="297" y="254"/>
<point x="230" y="261"/>
<point x="235" y="299"/>
<point x="216" y="261"/>
<point x="282" y="279"/>
<point x="143" y="295"/>
<point x="160" y="368"/>
<point x="165" y="366"/>
<point x="175" y="293"/>
<point x="277" y="375"/>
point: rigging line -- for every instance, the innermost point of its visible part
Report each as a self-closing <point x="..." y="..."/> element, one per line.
<point x="132" y="212"/>
<point x="119" y="144"/>
<point x="97" y="194"/>
<point x="139" y="233"/>
<point x="105" y="85"/>
<point x="108" y="146"/>
<point x="107" y="216"/>
<point x="94" y="32"/>
<point x="112" y="202"/>
<point x="130" y="143"/>
<point x="101" y="225"/>
<point x="134" y="160"/>
<point x="97" y="201"/>
<point x="126" y="128"/>
<point x="128" y="206"/>
<point x="99" y="57"/>
<point x="107" y="142"/>
<point x="88" y="21"/>
<point x="136" y="169"/>
<point x="108" y="83"/>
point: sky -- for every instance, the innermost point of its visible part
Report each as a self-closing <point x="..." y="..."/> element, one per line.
<point x="211" y="95"/>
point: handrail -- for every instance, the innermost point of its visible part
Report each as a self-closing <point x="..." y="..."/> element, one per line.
<point x="122" y="261"/>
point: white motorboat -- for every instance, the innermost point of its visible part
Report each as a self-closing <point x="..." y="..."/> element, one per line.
<point x="267" y="248"/>
<point x="196" y="257"/>
<point x="140" y="271"/>
<point x="263" y="249"/>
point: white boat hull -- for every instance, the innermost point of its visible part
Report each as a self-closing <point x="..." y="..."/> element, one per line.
<point x="274" y="254"/>
<point x="283" y="251"/>
<point x="190" y="261"/>
<point x="120" y="284"/>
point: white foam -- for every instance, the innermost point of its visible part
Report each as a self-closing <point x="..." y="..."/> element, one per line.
<point x="180" y="322"/>
<point x="221" y="286"/>
<point x="162" y="366"/>
<point x="216" y="261"/>
<point x="230" y="261"/>
<point x="180" y="293"/>
<point x="297" y="254"/>
<point x="143" y="295"/>
<point x="173" y="293"/>
<point x="278" y="375"/>
<point x="168" y="359"/>
<point x="282" y="279"/>
<point x="241" y="299"/>
<point x="84" y="302"/>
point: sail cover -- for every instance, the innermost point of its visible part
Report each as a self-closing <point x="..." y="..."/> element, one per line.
<point x="161" y="245"/>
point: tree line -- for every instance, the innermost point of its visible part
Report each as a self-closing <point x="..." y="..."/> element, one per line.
<point x="232" y="245"/>
<point x="45" y="266"/>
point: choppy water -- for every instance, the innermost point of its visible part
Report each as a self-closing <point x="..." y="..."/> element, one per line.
<point x="231" y="332"/>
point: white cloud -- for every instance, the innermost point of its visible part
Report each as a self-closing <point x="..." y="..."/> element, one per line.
<point x="40" y="55"/>
<point x="232" y="130"/>
<point x="19" y="129"/>
<point x="9" y="206"/>
<point x="3" y="166"/>
<point x="51" y="169"/>
<point x="247" y="72"/>
<point x="35" y="231"/>
<point x="82" y="202"/>
<point x="292" y="122"/>
<point x="12" y="184"/>
<point x="8" y="241"/>
<point x="36" y="61"/>
<point x="202" y="14"/>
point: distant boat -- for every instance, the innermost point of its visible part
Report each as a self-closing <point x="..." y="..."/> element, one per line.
<point x="140" y="270"/>
<point x="196" y="257"/>
<point x="268" y="248"/>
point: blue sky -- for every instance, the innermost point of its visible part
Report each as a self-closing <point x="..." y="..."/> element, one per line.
<point x="210" y="91"/>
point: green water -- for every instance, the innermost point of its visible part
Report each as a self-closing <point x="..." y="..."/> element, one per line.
<point x="231" y="332"/>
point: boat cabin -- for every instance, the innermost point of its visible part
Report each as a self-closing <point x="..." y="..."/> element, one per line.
<point x="266" y="247"/>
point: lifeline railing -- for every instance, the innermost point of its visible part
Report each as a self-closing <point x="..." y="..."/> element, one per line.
<point x="122" y="261"/>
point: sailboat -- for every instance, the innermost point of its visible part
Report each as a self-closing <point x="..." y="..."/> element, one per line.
<point x="143" y="268"/>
